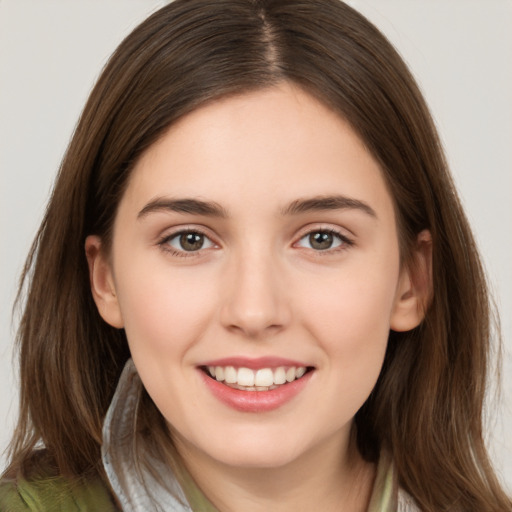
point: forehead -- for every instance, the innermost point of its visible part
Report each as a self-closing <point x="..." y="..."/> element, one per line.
<point x="267" y="147"/>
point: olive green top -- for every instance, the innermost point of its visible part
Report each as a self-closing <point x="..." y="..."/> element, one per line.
<point x="55" y="495"/>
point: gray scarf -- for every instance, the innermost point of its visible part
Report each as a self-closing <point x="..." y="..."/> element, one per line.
<point x="140" y="492"/>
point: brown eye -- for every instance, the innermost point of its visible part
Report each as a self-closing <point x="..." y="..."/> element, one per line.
<point x="191" y="241"/>
<point x="188" y="241"/>
<point x="323" y="240"/>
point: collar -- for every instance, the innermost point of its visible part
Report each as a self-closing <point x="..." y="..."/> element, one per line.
<point x="136" y="490"/>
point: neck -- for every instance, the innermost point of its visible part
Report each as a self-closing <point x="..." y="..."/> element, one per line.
<point x="331" y="477"/>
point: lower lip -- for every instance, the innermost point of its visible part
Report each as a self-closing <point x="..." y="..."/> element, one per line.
<point x="256" y="401"/>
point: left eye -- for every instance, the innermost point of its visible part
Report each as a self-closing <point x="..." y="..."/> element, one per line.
<point x="189" y="241"/>
<point x="321" y="240"/>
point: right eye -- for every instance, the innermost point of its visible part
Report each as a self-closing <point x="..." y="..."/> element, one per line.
<point x="187" y="242"/>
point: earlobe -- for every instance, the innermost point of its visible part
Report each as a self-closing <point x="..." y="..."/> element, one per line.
<point x="102" y="283"/>
<point x="414" y="290"/>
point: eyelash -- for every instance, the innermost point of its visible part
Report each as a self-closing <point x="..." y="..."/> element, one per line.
<point x="344" y="242"/>
<point x="164" y="243"/>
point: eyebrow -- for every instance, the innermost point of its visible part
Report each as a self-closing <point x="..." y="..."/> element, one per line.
<point x="192" y="206"/>
<point x="325" y="203"/>
<point x="212" y="209"/>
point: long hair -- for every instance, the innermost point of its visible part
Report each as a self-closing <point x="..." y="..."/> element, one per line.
<point x="426" y="408"/>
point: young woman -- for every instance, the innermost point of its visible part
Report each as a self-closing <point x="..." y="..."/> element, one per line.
<point x="254" y="287"/>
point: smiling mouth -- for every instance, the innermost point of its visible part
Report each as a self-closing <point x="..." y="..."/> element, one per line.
<point x="263" y="379"/>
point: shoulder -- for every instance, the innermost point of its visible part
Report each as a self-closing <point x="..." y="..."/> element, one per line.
<point x="54" y="494"/>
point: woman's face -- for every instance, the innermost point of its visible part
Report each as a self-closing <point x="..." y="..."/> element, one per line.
<point x="256" y="244"/>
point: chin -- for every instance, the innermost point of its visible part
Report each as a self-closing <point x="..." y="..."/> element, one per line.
<point x="256" y="451"/>
<point x="244" y="450"/>
<point x="259" y="458"/>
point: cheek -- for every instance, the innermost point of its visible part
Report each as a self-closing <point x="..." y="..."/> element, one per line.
<point x="164" y="310"/>
<point x="350" y="318"/>
<point x="355" y="301"/>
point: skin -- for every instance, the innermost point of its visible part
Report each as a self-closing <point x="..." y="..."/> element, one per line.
<point x="258" y="287"/>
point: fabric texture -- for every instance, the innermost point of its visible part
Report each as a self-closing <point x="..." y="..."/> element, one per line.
<point x="137" y="491"/>
<point x="55" y="495"/>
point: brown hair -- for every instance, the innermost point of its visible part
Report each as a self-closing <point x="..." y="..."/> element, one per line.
<point x="426" y="408"/>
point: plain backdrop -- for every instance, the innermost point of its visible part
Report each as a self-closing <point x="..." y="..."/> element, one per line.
<point x="51" y="52"/>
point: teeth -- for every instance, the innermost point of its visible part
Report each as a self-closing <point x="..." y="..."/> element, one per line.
<point x="259" y="380"/>
<point x="219" y="373"/>
<point x="279" y="376"/>
<point x="245" y="377"/>
<point x="230" y="375"/>
<point x="264" y="377"/>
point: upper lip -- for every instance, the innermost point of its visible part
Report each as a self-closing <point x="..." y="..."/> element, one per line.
<point x="254" y="363"/>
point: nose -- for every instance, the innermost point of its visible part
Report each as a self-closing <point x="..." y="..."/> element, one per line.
<point x="255" y="303"/>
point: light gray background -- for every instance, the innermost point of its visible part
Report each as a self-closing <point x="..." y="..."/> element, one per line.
<point x="51" y="52"/>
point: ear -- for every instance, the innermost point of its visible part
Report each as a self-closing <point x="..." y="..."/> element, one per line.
<point x="414" y="289"/>
<point x="102" y="282"/>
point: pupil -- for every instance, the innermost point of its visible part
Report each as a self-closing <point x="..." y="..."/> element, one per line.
<point x="321" y="240"/>
<point x="191" y="241"/>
